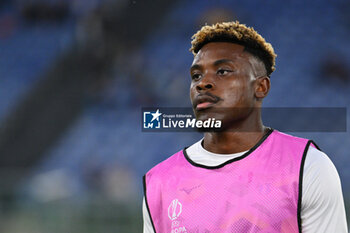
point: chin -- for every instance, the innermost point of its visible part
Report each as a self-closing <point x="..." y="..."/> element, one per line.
<point x="229" y="117"/>
<point x="214" y="112"/>
<point x="203" y="115"/>
<point x="211" y="118"/>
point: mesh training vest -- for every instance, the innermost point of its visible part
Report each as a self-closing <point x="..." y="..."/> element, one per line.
<point x="259" y="191"/>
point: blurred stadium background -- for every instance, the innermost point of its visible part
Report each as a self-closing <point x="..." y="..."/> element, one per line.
<point x="74" y="75"/>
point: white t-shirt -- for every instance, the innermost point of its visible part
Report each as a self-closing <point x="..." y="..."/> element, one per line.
<point x="322" y="205"/>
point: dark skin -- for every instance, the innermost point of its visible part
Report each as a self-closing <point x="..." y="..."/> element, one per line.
<point x="229" y="84"/>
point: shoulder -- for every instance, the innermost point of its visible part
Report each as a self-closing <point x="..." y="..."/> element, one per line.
<point x="322" y="208"/>
<point x="320" y="173"/>
<point x="166" y="165"/>
<point x="292" y="146"/>
<point x="288" y="137"/>
<point x="317" y="159"/>
<point x="288" y="143"/>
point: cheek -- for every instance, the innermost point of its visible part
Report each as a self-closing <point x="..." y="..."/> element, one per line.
<point x="238" y="94"/>
<point x="192" y="91"/>
<point x="235" y="92"/>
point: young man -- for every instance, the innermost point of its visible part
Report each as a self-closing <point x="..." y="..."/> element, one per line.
<point x="245" y="177"/>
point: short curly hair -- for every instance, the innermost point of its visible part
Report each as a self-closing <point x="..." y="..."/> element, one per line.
<point x="238" y="33"/>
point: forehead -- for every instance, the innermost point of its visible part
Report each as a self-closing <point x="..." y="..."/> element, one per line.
<point x="220" y="50"/>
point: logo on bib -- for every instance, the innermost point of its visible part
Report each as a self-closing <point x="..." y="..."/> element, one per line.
<point x="174" y="209"/>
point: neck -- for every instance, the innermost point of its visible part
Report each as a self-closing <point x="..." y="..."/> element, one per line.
<point x="239" y="137"/>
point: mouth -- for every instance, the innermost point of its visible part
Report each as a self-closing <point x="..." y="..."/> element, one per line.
<point x="205" y="101"/>
<point x="204" y="105"/>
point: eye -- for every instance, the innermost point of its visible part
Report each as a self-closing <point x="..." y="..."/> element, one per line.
<point x="223" y="71"/>
<point x="196" y="76"/>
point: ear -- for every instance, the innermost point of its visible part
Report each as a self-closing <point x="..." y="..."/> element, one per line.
<point x="262" y="87"/>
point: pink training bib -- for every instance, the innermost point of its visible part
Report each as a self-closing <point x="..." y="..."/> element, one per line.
<point x="259" y="191"/>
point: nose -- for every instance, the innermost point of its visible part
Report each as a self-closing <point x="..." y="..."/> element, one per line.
<point x="205" y="84"/>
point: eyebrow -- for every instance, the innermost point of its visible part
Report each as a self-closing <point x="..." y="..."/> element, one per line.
<point x="195" y="67"/>
<point x="216" y="63"/>
<point x="222" y="61"/>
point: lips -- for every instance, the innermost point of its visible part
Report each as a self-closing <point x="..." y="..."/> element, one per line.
<point x="203" y="105"/>
<point x="205" y="101"/>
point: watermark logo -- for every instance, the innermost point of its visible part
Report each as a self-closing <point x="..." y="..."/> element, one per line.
<point x="291" y="119"/>
<point x="152" y="120"/>
<point x="175" y="119"/>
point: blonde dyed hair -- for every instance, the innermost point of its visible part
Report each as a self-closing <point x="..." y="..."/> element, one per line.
<point x="238" y="33"/>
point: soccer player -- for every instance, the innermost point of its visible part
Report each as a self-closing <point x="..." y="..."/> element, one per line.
<point x="245" y="177"/>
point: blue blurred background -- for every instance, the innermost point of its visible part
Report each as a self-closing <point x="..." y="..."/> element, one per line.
<point x="74" y="75"/>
